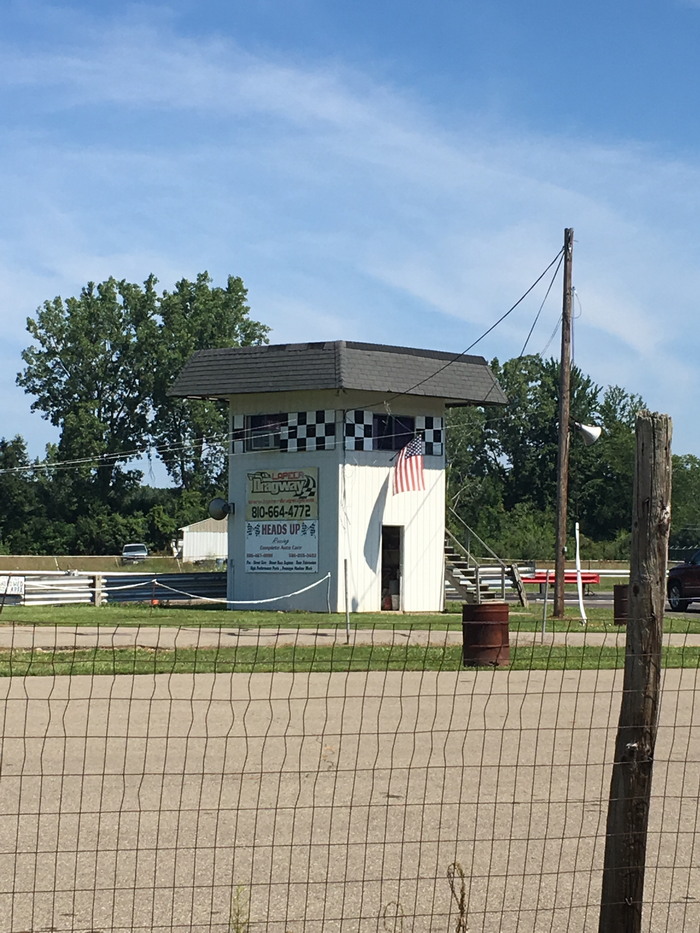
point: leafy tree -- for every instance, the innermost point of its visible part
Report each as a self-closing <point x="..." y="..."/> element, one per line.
<point x="502" y="472"/>
<point x="526" y="434"/>
<point x="92" y="374"/>
<point x="191" y="435"/>
<point x="475" y="477"/>
<point x="685" y="501"/>
<point x="100" y="368"/>
<point x="18" y="498"/>
<point x="601" y="488"/>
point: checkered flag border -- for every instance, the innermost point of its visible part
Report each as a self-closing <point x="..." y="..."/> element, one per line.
<point x="238" y="434"/>
<point x="315" y="430"/>
<point x="309" y="430"/>
<point x="433" y="435"/>
<point x="358" y="430"/>
<point x="305" y="430"/>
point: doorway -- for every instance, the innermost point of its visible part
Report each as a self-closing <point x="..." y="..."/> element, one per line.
<point x="391" y="566"/>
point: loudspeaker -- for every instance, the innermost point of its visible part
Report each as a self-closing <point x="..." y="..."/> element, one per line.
<point x="589" y="432"/>
<point x="219" y="508"/>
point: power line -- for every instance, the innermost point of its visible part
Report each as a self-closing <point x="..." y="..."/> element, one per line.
<point x="112" y="458"/>
<point x="458" y="356"/>
<point x="544" y="300"/>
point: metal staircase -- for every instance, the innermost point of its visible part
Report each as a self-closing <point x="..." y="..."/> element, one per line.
<point x="477" y="581"/>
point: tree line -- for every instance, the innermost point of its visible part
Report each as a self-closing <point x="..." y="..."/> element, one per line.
<point x="502" y="467"/>
<point x="99" y="367"/>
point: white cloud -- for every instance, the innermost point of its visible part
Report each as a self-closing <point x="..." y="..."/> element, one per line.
<point x="349" y="209"/>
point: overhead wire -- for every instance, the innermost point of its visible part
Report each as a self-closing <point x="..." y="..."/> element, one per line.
<point x="544" y="300"/>
<point x="112" y="458"/>
<point x="546" y="347"/>
<point x="107" y="459"/>
<point x="471" y="346"/>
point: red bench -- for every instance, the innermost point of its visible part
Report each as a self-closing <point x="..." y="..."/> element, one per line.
<point x="588" y="577"/>
<point x="570" y="576"/>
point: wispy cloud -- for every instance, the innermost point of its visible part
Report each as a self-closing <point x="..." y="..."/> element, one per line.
<point x="350" y="207"/>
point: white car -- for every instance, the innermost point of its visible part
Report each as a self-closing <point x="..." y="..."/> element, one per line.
<point x="134" y="552"/>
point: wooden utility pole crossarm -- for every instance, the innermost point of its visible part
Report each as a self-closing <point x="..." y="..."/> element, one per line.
<point x="564" y="408"/>
<point x="630" y="786"/>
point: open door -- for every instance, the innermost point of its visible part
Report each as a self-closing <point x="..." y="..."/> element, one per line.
<point x="392" y="559"/>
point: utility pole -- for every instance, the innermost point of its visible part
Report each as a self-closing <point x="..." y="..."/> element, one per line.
<point x="564" y="406"/>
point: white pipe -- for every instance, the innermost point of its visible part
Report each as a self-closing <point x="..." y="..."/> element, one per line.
<point x="579" y="585"/>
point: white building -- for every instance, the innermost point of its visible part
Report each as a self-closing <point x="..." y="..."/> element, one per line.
<point x="205" y="540"/>
<point x="316" y="430"/>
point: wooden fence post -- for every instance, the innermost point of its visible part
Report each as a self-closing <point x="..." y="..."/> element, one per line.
<point x="630" y="785"/>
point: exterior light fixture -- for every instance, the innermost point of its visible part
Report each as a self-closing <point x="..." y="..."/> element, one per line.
<point x="219" y="508"/>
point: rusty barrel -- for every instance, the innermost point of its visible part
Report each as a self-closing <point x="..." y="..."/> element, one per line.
<point x="620" y="603"/>
<point x="485" y="634"/>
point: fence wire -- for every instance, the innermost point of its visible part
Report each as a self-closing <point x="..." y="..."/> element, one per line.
<point x="242" y="780"/>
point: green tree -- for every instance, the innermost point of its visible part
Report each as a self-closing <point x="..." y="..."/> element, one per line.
<point x="601" y="487"/>
<point x="191" y="434"/>
<point x="525" y="435"/>
<point x="100" y="367"/>
<point x="18" y="497"/>
<point x="92" y="375"/>
<point x="502" y="471"/>
<point x="685" y="501"/>
<point x="475" y="478"/>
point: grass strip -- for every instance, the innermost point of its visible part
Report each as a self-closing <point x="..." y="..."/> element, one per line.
<point x="310" y="659"/>
<point x="139" y="615"/>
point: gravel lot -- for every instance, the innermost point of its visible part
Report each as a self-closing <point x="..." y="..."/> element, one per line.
<point x="331" y="802"/>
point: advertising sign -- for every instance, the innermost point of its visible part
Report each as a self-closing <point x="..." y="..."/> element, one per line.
<point x="11" y="586"/>
<point x="282" y="521"/>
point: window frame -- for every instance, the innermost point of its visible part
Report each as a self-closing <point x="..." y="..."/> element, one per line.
<point x="264" y="427"/>
<point x="392" y="432"/>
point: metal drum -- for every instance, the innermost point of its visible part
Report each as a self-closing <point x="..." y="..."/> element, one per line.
<point x="485" y="635"/>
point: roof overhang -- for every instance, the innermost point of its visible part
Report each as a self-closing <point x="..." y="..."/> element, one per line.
<point x="455" y="379"/>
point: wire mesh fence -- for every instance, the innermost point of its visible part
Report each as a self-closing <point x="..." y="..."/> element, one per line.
<point x="249" y="779"/>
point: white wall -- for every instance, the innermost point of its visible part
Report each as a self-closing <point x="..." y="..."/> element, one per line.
<point x="369" y="504"/>
<point x="355" y="500"/>
<point x="205" y="540"/>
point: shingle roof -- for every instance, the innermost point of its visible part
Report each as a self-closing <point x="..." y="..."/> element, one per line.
<point x="458" y="379"/>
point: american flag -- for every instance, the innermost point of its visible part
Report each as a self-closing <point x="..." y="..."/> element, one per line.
<point x="408" y="471"/>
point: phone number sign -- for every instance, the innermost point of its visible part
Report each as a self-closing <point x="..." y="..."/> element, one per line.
<point x="282" y="521"/>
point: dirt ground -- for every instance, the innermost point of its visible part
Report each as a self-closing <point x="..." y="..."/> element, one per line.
<point x="338" y="802"/>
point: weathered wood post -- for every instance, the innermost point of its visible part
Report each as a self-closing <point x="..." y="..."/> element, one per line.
<point x="630" y="785"/>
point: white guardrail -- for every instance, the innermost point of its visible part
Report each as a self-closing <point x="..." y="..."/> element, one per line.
<point x="48" y="588"/>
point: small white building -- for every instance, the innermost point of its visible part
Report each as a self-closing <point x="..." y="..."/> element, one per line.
<point x="316" y="430"/>
<point x="205" y="540"/>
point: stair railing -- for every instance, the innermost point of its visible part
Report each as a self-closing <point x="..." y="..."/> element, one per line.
<point x="505" y="573"/>
<point x="482" y="575"/>
<point x="472" y="534"/>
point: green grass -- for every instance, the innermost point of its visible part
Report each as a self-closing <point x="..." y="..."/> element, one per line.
<point x="139" y="614"/>
<point x="309" y="659"/>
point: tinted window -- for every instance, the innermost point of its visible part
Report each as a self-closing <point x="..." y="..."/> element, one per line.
<point x="392" y="432"/>
<point x="263" y="432"/>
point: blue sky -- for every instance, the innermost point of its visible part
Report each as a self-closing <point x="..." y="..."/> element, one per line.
<point x="389" y="172"/>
